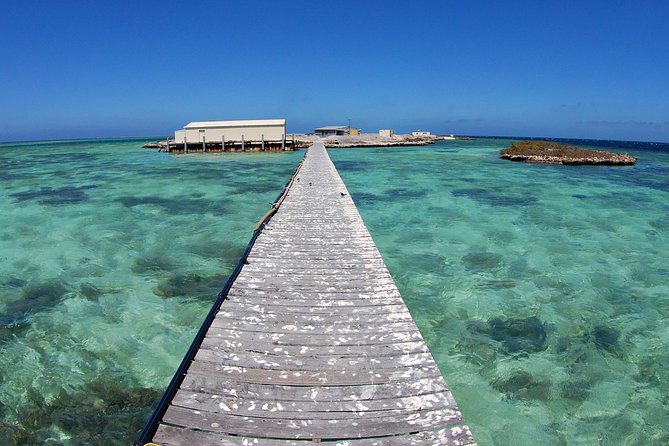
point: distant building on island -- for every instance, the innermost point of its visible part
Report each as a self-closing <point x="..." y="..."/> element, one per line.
<point x="248" y="130"/>
<point x="259" y="134"/>
<point x="421" y="133"/>
<point x="387" y="133"/>
<point x="336" y="130"/>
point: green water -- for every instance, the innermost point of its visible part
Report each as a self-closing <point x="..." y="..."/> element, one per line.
<point x="542" y="291"/>
<point x="110" y="256"/>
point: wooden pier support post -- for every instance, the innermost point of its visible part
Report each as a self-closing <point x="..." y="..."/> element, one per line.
<point x="223" y="143"/>
<point x="168" y="145"/>
<point x="243" y="149"/>
<point x="204" y="147"/>
<point x="283" y="141"/>
<point x="263" y="142"/>
<point x="185" y="145"/>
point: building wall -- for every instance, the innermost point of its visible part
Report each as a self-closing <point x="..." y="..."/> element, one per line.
<point x="329" y="132"/>
<point x="421" y="133"/>
<point x="215" y="134"/>
<point x="387" y="133"/>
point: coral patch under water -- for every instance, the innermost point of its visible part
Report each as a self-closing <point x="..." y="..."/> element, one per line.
<point x="516" y="335"/>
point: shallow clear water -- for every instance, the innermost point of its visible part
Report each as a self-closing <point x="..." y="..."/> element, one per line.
<point x="542" y="290"/>
<point x="110" y="257"/>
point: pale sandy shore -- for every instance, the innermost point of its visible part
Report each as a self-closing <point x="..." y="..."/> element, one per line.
<point x="303" y="140"/>
<point x="365" y="140"/>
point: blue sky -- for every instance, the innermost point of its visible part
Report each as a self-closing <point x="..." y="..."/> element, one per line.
<point x="586" y="69"/>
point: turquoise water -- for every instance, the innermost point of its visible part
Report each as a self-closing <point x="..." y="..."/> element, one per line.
<point x="110" y="257"/>
<point x="542" y="290"/>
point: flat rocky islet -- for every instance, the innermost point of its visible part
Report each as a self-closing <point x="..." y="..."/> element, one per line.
<point x="546" y="152"/>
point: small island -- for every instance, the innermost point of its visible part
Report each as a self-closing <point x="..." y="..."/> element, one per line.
<point x="546" y="152"/>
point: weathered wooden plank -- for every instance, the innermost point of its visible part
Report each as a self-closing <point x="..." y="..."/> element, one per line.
<point x="329" y="293"/>
<point x="349" y="287"/>
<point x="307" y="282"/>
<point x="326" y="339"/>
<point x="315" y="428"/>
<point x="313" y="267"/>
<point x="306" y="410"/>
<point x="382" y="391"/>
<point x="284" y="327"/>
<point x="377" y="275"/>
<point x="247" y="315"/>
<point x="263" y="306"/>
<point x="178" y="436"/>
<point x="335" y="350"/>
<point x="333" y="362"/>
<point x="312" y="378"/>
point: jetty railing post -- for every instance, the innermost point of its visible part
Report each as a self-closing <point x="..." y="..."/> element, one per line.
<point x="263" y="142"/>
<point x="185" y="144"/>
<point x="243" y="149"/>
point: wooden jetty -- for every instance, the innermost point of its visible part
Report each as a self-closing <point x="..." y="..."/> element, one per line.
<point x="261" y="145"/>
<point x="310" y="340"/>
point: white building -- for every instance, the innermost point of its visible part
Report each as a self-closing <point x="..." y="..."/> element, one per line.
<point x="387" y="133"/>
<point x="421" y="133"/>
<point x="332" y="130"/>
<point x="216" y="131"/>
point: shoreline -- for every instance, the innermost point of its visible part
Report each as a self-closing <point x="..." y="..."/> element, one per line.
<point x="304" y="140"/>
<point x="370" y="140"/>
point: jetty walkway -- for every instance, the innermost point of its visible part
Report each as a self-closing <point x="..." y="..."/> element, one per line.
<point x="312" y="343"/>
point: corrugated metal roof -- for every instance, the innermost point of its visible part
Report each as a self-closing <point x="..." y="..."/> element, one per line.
<point x="333" y="127"/>
<point x="245" y="123"/>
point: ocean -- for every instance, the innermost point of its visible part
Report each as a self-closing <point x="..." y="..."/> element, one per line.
<point x="542" y="291"/>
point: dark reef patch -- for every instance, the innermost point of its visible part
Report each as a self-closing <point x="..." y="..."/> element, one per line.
<point x="521" y="384"/>
<point x="151" y="264"/>
<point x="104" y="411"/>
<point x="517" y="335"/>
<point x="179" y="205"/>
<point x="55" y="197"/>
<point x="576" y="390"/>
<point x="493" y="198"/>
<point x="37" y="297"/>
<point x="14" y="320"/>
<point x="352" y="166"/>
<point x="404" y="194"/>
<point x="228" y="252"/>
<point x="15" y="282"/>
<point x="426" y="263"/>
<point x="191" y="285"/>
<point x="496" y="284"/>
<point x="259" y="187"/>
<point x="604" y="337"/>
<point x="89" y="291"/>
<point x="14" y="176"/>
<point x="482" y="261"/>
<point x="10" y="327"/>
<point x="366" y="199"/>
